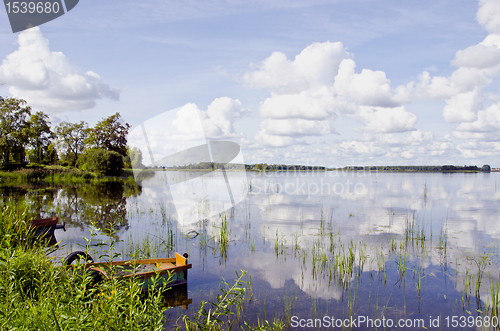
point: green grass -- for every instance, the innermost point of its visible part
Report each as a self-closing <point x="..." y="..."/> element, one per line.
<point x="53" y="176"/>
<point x="46" y="175"/>
<point x="37" y="293"/>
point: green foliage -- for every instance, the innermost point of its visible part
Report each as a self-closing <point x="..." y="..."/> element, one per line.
<point x="101" y="162"/>
<point x="216" y="315"/>
<point x="109" y="134"/>
<point x="28" y="272"/>
<point x="133" y="159"/>
<point x="39" y="174"/>
<point x="14" y="130"/>
<point x="36" y="294"/>
<point x="40" y="139"/>
<point x="277" y="325"/>
<point x="71" y="141"/>
<point x="14" y="227"/>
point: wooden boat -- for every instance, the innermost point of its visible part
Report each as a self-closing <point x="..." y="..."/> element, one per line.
<point x="171" y="271"/>
<point x="45" y="227"/>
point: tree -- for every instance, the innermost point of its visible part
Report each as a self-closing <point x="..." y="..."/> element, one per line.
<point x="14" y="130"/>
<point x="109" y="134"/>
<point x="133" y="160"/>
<point x="486" y="168"/>
<point x="40" y="137"/>
<point x="101" y="161"/>
<point x="71" y="140"/>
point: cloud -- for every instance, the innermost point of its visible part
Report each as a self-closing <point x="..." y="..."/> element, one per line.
<point x="309" y="104"/>
<point x="310" y="92"/>
<point x="355" y="148"/>
<point x="218" y="119"/>
<point x="488" y="120"/>
<point x="185" y="129"/>
<point x="478" y="149"/>
<point x="387" y="120"/>
<point x="463" y="107"/>
<point x="478" y="66"/>
<point x="488" y="15"/>
<point x="274" y="140"/>
<point x="317" y="87"/>
<point x="315" y="66"/>
<point x="368" y="88"/>
<point x="48" y="80"/>
<point x="295" y="127"/>
<point x="370" y="147"/>
<point x="477" y="56"/>
<point x="189" y="123"/>
<point x="462" y="80"/>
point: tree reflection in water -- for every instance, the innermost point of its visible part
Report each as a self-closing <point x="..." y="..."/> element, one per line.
<point x="102" y="204"/>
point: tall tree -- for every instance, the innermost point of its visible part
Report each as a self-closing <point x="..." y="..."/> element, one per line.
<point x="71" y="140"/>
<point x="14" y="130"/>
<point x="40" y="137"/>
<point x="136" y="158"/>
<point x="109" y="134"/>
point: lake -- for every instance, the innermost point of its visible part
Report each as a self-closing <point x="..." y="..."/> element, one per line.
<point x="321" y="248"/>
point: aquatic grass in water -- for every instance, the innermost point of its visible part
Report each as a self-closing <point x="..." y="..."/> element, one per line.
<point x="397" y="264"/>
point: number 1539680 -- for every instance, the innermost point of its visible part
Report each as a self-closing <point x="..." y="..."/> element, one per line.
<point x="471" y="321"/>
<point x="47" y="7"/>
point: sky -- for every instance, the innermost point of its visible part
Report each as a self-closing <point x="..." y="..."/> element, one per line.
<point x="331" y="83"/>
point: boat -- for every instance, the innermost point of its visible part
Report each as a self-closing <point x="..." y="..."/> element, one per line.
<point x="171" y="271"/>
<point x="44" y="228"/>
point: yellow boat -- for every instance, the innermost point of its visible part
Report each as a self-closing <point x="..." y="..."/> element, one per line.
<point x="171" y="271"/>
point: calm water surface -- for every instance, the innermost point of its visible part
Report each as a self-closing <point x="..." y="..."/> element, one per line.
<point x="410" y="246"/>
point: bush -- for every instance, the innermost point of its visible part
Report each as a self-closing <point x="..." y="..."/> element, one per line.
<point x="101" y="161"/>
<point x="486" y="167"/>
<point x="27" y="272"/>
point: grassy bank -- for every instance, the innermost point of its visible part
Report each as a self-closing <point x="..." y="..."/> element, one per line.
<point x="47" y="175"/>
<point x="38" y="294"/>
<point x="57" y="175"/>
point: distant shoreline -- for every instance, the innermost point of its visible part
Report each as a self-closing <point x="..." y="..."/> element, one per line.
<point x="207" y="167"/>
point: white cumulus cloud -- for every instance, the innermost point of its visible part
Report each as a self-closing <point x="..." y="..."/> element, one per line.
<point x="309" y="104"/>
<point x="477" y="56"/>
<point x="488" y="15"/>
<point x="380" y="119"/>
<point x="318" y="86"/>
<point x="218" y="119"/>
<point x="316" y="65"/>
<point x="463" y="107"/>
<point x="48" y="80"/>
<point x="295" y="127"/>
<point x="368" y="88"/>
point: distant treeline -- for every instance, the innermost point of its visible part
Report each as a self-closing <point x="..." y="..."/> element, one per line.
<point x="284" y="167"/>
<point x="443" y="168"/>
<point x="235" y="166"/>
<point x="208" y="166"/>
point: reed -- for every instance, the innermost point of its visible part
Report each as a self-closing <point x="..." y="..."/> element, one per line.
<point x="38" y="294"/>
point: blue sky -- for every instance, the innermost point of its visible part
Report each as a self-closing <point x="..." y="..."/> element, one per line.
<point x="307" y="82"/>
